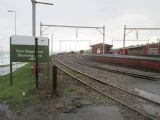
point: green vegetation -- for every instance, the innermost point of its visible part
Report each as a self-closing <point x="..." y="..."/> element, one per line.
<point x="72" y="52"/>
<point x="81" y="51"/>
<point x="23" y="81"/>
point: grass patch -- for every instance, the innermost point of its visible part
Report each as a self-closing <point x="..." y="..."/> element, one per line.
<point x="23" y="81"/>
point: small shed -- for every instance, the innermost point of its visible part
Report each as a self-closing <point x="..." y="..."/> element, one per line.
<point x="98" y="48"/>
<point x="148" y="49"/>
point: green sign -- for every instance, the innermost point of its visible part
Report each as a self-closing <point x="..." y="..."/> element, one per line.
<point x="22" y="49"/>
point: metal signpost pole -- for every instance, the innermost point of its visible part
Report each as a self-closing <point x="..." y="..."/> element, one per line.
<point x="36" y="61"/>
<point x="48" y="69"/>
<point x="11" y="78"/>
<point x="54" y="80"/>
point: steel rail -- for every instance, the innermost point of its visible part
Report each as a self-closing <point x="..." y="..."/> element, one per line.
<point x="123" y="73"/>
<point x="146" y="115"/>
<point x="133" y="67"/>
<point x="101" y="81"/>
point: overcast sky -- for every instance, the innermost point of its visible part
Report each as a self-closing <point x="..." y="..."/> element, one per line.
<point x="114" y="14"/>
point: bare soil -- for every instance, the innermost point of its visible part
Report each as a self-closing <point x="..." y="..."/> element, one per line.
<point x="74" y="102"/>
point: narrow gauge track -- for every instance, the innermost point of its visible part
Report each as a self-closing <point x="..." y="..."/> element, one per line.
<point x="124" y="97"/>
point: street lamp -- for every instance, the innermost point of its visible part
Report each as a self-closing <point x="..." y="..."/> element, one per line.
<point x="34" y="15"/>
<point x="1" y="53"/>
<point x="14" y="11"/>
<point x="34" y="34"/>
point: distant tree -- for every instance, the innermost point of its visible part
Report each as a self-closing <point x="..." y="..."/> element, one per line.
<point x="81" y="51"/>
<point x="72" y="52"/>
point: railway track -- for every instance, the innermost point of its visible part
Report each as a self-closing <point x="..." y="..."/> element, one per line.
<point x="132" y="74"/>
<point x="126" y="66"/>
<point x="124" y="97"/>
<point x="122" y="72"/>
<point x="136" y="75"/>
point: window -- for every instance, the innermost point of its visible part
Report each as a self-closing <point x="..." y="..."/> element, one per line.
<point x="153" y="51"/>
<point x="98" y="50"/>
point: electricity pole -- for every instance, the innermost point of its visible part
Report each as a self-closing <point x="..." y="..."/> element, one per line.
<point x="14" y="11"/>
<point x="34" y="15"/>
<point x="34" y="35"/>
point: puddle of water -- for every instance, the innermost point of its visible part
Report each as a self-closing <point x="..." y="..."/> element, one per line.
<point x="148" y="95"/>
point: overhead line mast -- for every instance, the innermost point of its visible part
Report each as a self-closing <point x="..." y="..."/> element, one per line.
<point x="70" y="26"/>
<point x="34" y="15"/>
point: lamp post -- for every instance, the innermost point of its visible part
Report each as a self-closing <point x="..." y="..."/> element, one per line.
<point x="14" y="11"/>
<point x="36" y="39"/>
<point x="34" y="15"/>
<point x="52" y="45"/>
<point x="124" y="39"/>
<point x="1" y="53"/>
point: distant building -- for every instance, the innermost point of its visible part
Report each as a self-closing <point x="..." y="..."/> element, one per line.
<point x="98" y="48"/>
<point x="148" y="49"/>
<point x="122" y="51"/>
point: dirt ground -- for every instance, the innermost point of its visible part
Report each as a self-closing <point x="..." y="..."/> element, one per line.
<point x="74" y="102"/>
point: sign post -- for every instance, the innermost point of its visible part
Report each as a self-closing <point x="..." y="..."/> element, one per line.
<point x="29" y="49"/>
<point x="36" y="62"/>
<point x="11" y="79"/>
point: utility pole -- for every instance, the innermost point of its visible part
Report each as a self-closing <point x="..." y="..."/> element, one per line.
<point x="103" y="39"/>
<point x="14" y="11"/>
<point x="148" y="46"/>
<point x="136" y="29"/>
<point x="34" y="35"/>
<point x="41" y="29"/>
<point x="52" y="45"/>
<point x="2" y="52"/>
<point x="124" y="39"/>
<point x="34" y="15"/>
